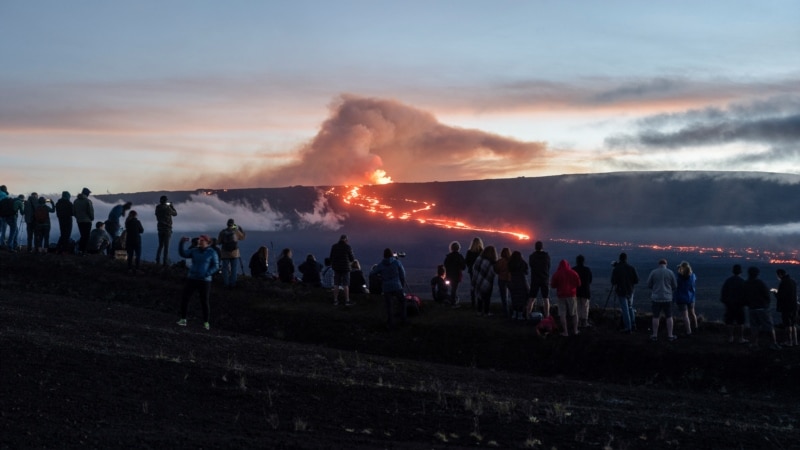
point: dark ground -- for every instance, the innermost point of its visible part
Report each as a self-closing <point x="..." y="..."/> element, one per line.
<point x="90" y="357"/>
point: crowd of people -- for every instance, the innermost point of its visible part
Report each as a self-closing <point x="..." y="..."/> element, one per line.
<point x="524" y="286"/>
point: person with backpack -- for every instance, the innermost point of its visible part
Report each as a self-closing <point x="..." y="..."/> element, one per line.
<point x="133" y="241"/>
<point x="10" y="208"/>
<point x="393" y="276"/>
<point x="30" y="223"/>
<point x="341" y="259"/>
<point x="64" y="213"/>
<point x="83" y="209"/>
<point x="41" y="215"/>
<point x="230" y="255"/>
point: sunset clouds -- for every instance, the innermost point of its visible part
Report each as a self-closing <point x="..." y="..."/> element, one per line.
<point x="147" y="96"/>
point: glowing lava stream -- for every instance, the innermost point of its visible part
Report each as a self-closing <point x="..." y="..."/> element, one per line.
<point x="376" y="206"/>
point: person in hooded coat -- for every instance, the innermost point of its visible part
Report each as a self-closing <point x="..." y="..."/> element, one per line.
<point x="566" y="282"/>
<point x="393" y="276"/>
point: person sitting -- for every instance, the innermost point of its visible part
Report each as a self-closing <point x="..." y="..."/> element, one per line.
<point x="99" y="239"/>
<point x="358" y="284"/>
<point x="326" y="277"/>
<point x="375" y="281"/>
<point x="259" y="263"/>
<point x="286" y="267"/>
<point x="439" y="291"/>
<point x="311" y="271"/>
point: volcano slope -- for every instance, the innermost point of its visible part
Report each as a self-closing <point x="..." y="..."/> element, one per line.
<point x="91" y="358"/>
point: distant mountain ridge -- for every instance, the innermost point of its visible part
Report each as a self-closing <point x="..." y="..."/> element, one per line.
<point x="552" y="204"/>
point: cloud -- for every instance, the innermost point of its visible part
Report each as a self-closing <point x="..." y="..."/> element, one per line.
<point x="365" y="139"/>
<point x="209" y="214"/>
<point x="767" y="122"/>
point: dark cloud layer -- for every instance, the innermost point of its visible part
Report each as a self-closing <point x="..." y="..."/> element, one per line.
<point x="762" y="123"/>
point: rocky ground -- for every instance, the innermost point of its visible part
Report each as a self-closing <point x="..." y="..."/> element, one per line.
<point x="90" y="357"/>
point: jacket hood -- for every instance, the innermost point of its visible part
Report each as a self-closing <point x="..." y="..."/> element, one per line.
<point x="563" y="265"/>
<point x="66" y="195"/>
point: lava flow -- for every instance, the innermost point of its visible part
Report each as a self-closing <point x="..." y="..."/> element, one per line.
<point x="419" y="211"/>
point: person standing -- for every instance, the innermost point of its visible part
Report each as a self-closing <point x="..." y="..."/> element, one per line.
<point x="30" y="222"/>
<point x="341" y="259"/>
<point x="624" y="279"/>
<point x="17" y="208"/>
<point x="133" y="241"/>
<point x="584" y="291"/>
<point x="475" y="249"/>
<point x="230" y="254"/>
<point x="503" y="278"/>
<point x="566" y="283"/>
<point x="518" y="287"/>
<point x="3" y="224"/>
<point x="454" y="265"/>
<point x="164" y="214"/>
<point x="786" y="304"/>
<point x="205" y="263"/>
<point x="393" y="278"/>
<point x="483" y="279"/>
<point x="662" y="284"/>
<point x="539" y="263"/>
<point x="65" y="212"/>
<point x="732" y="296"/>
<point x="756" y="297"/>
<point x="685" y="296"/>
<point x="84" y="215"/>
<point x="41" y="218"/>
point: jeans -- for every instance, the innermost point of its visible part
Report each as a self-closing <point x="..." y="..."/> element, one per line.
<point x="503" y="286"/>
<point x="11" y="223"/>
<point x="230" y="267"/>
<point x="65" y="229"/>
<point x="628" y="313"/>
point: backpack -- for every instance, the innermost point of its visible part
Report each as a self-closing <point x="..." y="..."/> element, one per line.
<point x="7" y="207"/>
<point x="228" y="241"/>
<point x="41" y="215"/>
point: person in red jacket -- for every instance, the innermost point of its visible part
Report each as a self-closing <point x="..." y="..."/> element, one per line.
<point x="566" y="282"/>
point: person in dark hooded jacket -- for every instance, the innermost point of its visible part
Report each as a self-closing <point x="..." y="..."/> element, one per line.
<point x="64" y="213"/>
<point x="393" y="277"/>
<point x="786" y="296"/>
<point x="756" y="297"/>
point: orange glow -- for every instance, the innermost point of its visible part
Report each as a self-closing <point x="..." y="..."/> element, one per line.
<point x="419" y="211"/>
<point x="773" y="257"/>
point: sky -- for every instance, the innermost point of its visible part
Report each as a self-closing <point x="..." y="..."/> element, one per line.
<point x="134" y="96"/>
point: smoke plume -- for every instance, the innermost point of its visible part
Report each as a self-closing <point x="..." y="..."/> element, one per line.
<point x="374" y="141"/>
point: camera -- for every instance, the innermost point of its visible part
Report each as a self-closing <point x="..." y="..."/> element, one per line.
<point x="169" y="203"/>
<point x="400" y="254"/>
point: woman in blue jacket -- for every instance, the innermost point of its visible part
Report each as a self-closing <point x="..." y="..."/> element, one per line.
<point x="205" y="263"/>
<point x="685" y="296"/>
